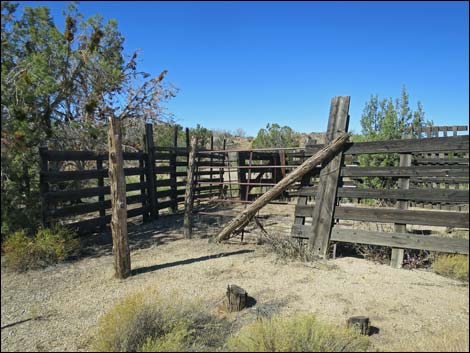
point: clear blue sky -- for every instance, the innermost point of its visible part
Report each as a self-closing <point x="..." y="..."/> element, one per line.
<point x="244" y="64"/>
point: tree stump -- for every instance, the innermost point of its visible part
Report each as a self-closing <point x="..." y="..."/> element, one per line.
<point x="361" y="322"/>
<point x="236" y="298"/>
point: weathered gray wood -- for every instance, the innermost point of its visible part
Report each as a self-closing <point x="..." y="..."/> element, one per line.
<point x="397" y="256"/>
<point x="44" y="185"/>
<point x="237" y="298"/>
<point x="117" y="180"/>
<point x="52" y="155"/>
<point x="397" y="240"/>
<point x="174" y="196"/>
<point x="143" y="190"/>
<point x="99" y="166"/>
<point x="325" y="199"/>
<point x="150" y="166"/>
<point x="189" y="195"/>
<point x="414" y="171"/>
<point x="387" y="215"/>
<point x="402" y="240"/>
<point x="84" y="208"/>
<point x="245" y="216"/>
<point x="360" y="322"/>
<point x="430" y="195"/>
<point x="425" y="145"/>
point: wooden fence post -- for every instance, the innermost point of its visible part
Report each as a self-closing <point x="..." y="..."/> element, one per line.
<point x="221" y="173"/>
<point x="174" y="191"/>
<point x="122" y="258"/>
<point x="189" y="195"/>
<point x="211" y="162"/>
<point x="403" y="183"/>
<point x="99" y="167"/>
<point x="143" y="191"/>
<point x="325" y="200"/>
<point x="150" y="150"/>
<point x="43" y="185"/>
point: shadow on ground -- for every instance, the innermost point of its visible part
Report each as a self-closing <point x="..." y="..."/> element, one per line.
<point x="187" y="261"/>
<point x="165" y="229"/>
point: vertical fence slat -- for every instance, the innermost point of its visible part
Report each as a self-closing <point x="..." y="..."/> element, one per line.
<point x="43" y="185"/>
<point x="143" y="191"/>
<point x="99" y="167"/>
<point x="396" y="260"/>
<point x="174" y="194"/>
<point x="150" y="150"/>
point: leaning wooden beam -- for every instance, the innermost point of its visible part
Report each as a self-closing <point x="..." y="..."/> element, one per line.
<point x="117" y="181"/>
<point x="243" y="218"/>
<point x="190" y="187"/>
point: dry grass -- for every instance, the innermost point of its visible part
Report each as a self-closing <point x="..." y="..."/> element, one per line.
<point x="299" y="333"/>
<point x="453" y="266"/>
<point x="149" y="323"/>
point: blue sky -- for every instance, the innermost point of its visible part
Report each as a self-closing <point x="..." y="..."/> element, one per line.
<point x="245" y="64"/>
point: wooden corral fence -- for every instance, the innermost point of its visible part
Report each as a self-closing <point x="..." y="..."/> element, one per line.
<point x="155" y="182"/>
<point x="324" y="196"/>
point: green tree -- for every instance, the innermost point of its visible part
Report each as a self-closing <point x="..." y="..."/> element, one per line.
<point x="387" y="119"/>
<point x="60" y="88"/>
<point x="276" y="136"/>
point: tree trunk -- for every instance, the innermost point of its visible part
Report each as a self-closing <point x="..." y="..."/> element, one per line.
<point x="122" y="259"/>
<point x="243" y="218"/>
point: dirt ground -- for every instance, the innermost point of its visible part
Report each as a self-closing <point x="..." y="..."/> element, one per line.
<point x="410" y="309"/>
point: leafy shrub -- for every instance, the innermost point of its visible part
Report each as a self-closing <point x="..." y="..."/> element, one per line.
<point x="300" y="333"/>
<point x="48" y="246"/>
<point x="144" y="322"/>
<point x="454" y="266"/>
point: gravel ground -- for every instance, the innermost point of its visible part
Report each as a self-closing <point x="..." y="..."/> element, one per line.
<point x="411" y="309"/>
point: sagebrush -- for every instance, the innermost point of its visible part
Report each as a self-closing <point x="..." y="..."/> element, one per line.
<point x="48" y="246"/>
<point x="299" y="333"/>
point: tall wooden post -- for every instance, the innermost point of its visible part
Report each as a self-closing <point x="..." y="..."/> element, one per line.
<point x="189" y="195"/>
<point x="122" y="258"/>
<point x="150" y="150"/>
<point x="174" y="191"/>
<point x="403" y="183"/>
<point x="211" y="162"/>
<point x="143" y="190"/>
<point x="99" y="167"/>
<point x="44" y="185"/>
<point x="325" y="200"/>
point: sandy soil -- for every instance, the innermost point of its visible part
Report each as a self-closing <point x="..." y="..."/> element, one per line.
<point x="412" y="309"/>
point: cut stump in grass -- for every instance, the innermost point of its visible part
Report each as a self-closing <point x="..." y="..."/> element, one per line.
<point x="237" y="298"/>
<point x="361" y="322"/>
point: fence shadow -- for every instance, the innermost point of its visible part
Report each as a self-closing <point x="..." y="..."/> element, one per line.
<point x="186" y="262"/>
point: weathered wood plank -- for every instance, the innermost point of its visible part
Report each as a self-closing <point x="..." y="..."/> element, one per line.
<point x="416" y="171"/>
<point x="390" y="215"/>
<point x="396" y="260"/>
<point x="434" y="144"/>
<point x="117" y="181"/>
<point x="398" y="240"/>
<point x="150" y="168"/>
<point x="430" y="195"/>
<point x="402" y="240"/>
<point x="325" y="199"/>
